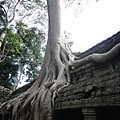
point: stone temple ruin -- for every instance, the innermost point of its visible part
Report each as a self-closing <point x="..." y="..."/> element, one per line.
<point x="94" y="92"/>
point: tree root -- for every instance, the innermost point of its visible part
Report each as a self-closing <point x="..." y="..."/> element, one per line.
<point x="98" y="58"/>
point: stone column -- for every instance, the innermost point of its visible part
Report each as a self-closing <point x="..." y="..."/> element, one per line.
<point x="89" y="113"/>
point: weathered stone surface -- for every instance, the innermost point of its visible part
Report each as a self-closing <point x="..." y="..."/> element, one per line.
<point x="95" y="84"/>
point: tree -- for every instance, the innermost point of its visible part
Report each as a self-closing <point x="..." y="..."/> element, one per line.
<point x="24" y="55"/>
<point x="32" y="55"/>
<point x="11" y="42"/>
<point x="2" y="36"/>
<point x="22" y="10"/>
<point x="37" y="102"/>
<point x="8" y="69"/>
<point x="9" y="54"/>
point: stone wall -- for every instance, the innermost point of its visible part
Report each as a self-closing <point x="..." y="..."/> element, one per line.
<point x="95" y="84"/>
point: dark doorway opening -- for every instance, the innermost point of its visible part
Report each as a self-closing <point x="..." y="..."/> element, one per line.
<point x="69" y="114"/>
<point x="108" y="113"/>
<point x="0" y="116"/>
<point x="4" y="116"/>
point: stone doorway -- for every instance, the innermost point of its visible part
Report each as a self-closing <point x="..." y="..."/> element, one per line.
<point x="69" y="114"/>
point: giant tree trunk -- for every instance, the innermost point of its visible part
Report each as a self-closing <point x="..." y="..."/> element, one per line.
<point x="37" y="103"/>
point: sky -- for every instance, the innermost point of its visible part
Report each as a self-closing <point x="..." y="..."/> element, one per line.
<point x="97" y="22"/>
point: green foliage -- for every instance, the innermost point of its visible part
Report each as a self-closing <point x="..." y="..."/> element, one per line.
<point x="12" y="47"/>
<point x="25" y="54"/>
<point x="70" y="43"/>
<point x="13" y="41"/>
<point x="8" y="69"/>
<point x="32" y="55"/>
<point x="67" y="36"/>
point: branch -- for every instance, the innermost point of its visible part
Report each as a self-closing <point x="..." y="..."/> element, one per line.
<point x="14" y="12"/>
<point x="4" y="11"/>
<point x="30" y="13"/>
<point x="25" y="16"/>
<point x="8" y="7"/>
